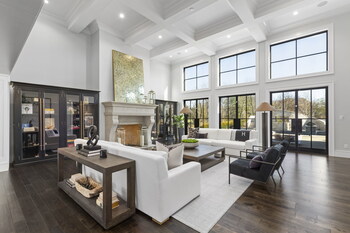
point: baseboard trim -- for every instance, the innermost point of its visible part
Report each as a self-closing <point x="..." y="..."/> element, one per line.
<point x="342" y="154"/>
<point x="4" y="166"/>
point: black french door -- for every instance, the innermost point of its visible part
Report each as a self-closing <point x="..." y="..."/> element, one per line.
<point x="301" y="116"/>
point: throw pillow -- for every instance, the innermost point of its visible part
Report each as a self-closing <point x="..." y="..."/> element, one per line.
<point x="242" y="135"/>
<point x="202" y="135"/>
<point x="175" y="154"/>
<point x="253" y="164"/>
<point x="265" y="153"/>
<point x="192" y="132"/>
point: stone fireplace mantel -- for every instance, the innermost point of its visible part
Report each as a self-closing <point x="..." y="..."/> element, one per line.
<point x="118" y="113"/>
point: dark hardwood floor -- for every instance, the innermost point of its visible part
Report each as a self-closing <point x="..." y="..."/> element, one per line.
<point x="313" y="196"/>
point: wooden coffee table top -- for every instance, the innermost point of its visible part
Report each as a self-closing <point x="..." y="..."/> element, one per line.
<point x="201" y="151"/>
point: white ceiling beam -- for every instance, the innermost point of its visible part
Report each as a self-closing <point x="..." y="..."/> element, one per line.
<point x="142" y="32"/>
<point x="169" y="48"/>
<point x="170" y="18"/>
<point x="244" y="11"/>
<point x="85" y="14"/>
<point x="144" y="9"/>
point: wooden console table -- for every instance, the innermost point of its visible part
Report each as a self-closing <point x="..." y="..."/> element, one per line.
<point x="106" y="216"/>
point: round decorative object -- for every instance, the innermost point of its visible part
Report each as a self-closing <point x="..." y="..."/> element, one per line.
<point x="189" y="145"/>
<point x="93" y="137"/>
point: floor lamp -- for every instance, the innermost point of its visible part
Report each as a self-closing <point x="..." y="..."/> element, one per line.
<point x="264" y="107"/>
<point x="186" y="111"/>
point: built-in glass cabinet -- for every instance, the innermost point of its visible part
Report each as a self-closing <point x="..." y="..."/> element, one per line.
<point x="46" y="118"/>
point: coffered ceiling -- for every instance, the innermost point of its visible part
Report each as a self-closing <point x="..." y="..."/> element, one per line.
<point x="176" y="29"/>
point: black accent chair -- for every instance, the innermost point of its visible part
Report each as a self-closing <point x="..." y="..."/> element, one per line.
<point x="259" y="150"/>
<point x="240" y="167"/>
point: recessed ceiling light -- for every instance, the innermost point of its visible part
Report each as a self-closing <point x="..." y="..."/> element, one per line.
<point x="323" y="3"/>
<point x="171" y="56"/>
<point x="160" y="37"/>
<point x="186" y="50"/>
<point x="191" y="9"/>
<point x="228" y="36"/>
<point x="295" y="13"/>
<point x="46" y="2"/>
<point x="121" y="15"/>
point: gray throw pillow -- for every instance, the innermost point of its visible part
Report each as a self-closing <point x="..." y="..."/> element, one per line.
<point x="253" y="164"/>
<point x="192" y="132"/>
<point x="242" y="135"/>
<point x="202" y="135"/>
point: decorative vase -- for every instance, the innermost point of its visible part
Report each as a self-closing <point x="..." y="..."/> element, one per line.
<point x="190" y="145"/>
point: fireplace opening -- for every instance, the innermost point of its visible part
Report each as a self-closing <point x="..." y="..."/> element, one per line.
<point x="130" y="135"/>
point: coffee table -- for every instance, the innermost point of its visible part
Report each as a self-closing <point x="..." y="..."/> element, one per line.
<point x="204" y="154"/>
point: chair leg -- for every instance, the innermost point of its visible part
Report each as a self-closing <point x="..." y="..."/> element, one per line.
<point x="279" y="174"/>
<point x="229" y="177"/>
<point x="282" y="169"/>
<point x="273" y="180"/>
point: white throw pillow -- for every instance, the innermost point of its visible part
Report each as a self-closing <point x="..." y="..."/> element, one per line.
<point x="175" y="154"/>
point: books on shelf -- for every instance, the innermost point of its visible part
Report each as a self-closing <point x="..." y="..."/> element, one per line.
<point x="92" y="148"/>
<point x="115" y="200"/>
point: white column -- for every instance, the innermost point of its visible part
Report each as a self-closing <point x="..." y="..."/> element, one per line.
<point x="4" y="122"/>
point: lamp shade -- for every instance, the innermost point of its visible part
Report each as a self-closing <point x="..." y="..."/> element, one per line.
<point x="265" y="106"/>
<point x="186" y="110"/>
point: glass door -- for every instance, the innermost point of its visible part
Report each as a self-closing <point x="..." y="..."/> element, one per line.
<point x="90" y="111"/>
<point x="51" y="123"/>
<point x="73" y="118"/>
<point x="30" y="125"/>
<point x="301" y="117"/>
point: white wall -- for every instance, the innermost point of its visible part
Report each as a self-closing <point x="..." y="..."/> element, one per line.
<point x="159" y="80"/>
<point x="53" y="56"/>
<point x="338" y="82"/>
<point x="4" y="122"/>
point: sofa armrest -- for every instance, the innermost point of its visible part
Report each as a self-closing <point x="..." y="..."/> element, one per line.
<point x="182" y="185"/>
<point x="249" y="143"/>
<point x="184" y="137"/>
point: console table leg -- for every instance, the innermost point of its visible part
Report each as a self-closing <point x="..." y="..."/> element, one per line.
<point x="107" y="198"/>
<point x="131" y="173"/>
<point x="60" y="161"/>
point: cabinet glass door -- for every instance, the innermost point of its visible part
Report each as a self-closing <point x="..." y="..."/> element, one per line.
<point x="90" y="113"/>
<point x="73" y="118"/>
<point x="30" y="120"/>
<point x="51" y="123"/>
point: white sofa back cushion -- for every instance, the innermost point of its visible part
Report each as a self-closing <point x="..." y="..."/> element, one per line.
<point x="224" y="134"/>
<point x="212" y="133"/>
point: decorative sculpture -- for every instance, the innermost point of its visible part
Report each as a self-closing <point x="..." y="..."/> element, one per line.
<point x="92" y="136"/>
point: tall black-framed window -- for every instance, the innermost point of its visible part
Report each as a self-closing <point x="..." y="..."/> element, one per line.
<point x="237" y="68"/>
<point x="237" y="112"/>
<point x="196" y="77"/>
<point x="200" y="111"/>
<point x="301" y="56"/>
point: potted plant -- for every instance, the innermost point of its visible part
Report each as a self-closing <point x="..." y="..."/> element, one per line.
<point x="190" y="143"/>
<point x="179" y="122"/>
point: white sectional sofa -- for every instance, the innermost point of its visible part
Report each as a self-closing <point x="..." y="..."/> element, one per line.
<point x="159" y="192"/>
<point x="225" y="138"/>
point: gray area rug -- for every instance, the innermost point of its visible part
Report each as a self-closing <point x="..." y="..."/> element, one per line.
<point x="217" y="196"/>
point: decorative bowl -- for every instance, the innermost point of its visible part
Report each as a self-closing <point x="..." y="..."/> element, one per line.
<point x="190" y="145"/>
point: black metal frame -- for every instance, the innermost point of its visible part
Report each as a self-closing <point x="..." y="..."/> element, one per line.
<point x="196" y="77"/>
<point x="18" y="87"/>
<point x="196" y="113"/>
<point x="296" y="54"/>
<point x="236" y="106"/>
<point x="237" y="69"/>
<point x="297" y="148"/>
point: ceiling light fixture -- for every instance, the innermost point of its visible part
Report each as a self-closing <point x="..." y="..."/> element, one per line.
<point x="46" y="2"/>
<point x="295" y="13"/>
<point x="171" y="56"/>
<point x="323" y="3"/>
<point x="228" y="36"/>
<point x="160" y="37"/>
<point x="121" y="15"/>
<point x="186" y="50"/>
<point x="191" y="9"/>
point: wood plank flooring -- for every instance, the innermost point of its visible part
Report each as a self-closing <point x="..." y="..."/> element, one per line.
<point x="313" y="196"/>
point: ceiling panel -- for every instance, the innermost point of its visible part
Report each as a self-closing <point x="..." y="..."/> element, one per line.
<point x="153" y="41"/>
<point x="61" y="9"/>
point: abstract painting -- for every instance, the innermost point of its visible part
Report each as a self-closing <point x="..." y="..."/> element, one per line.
<point x="128" y="78"/>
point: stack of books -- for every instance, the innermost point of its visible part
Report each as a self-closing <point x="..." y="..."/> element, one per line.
<point x="115" y="200"/>
<point x="90" y="151"/>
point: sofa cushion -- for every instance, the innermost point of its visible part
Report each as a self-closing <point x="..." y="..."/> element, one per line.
<point x="224" y="134"/>
<point x="233" y="135"/>
<point x="174" y="154"/>
<point x="229" y="144"/>
<point x="253" y="134"/>
<point x="202" y="135"/>
<point x="192" y="132"/>
<point x="205" y="141"/>
<point x="212" y="133"/>
<point x="242" y="135"/>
